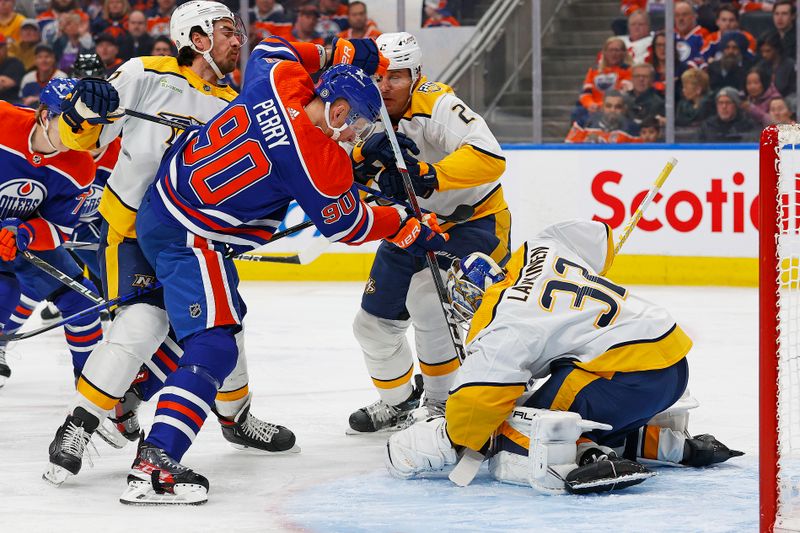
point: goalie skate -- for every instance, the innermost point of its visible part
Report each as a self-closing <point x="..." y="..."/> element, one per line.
<point x="157" y="479"/>
<point x="380" y="417"/>
<point x="603" y="473"/>
<point x="246" y="432"/>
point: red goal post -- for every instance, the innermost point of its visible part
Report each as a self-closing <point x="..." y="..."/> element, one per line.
<point x="779" y="328"/>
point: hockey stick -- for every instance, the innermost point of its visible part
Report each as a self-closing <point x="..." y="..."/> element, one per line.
<point x="662" y="177"/>
<point x="461" y="213"/>
<point x="159" y="120"/>
<point x="60" y="276"/>
<point x="100" y="306"/>
<point x="444" y="300"/>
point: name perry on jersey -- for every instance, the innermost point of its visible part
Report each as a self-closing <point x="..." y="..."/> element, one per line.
<point x="270" y="122"/>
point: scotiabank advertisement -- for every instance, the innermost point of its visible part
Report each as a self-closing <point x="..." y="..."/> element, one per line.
<point x="707" y="207"/>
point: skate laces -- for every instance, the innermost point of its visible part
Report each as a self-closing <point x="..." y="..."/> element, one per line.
<point x="258" y="429"/>
<point x="3" y="357"/>
<point x="160" y="459"/>
<point x="435" y="407"/>
<point x="76" y="441"/>
<point x="380" y="411"/>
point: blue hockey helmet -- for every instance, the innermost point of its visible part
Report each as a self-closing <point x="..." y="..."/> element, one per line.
<point x="467" y="281"/>
<point x="352" y="84"/>
<point x="55" y="92"/>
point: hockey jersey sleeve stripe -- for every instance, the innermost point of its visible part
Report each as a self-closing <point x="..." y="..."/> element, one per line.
<point x="476" y="410"/>
<point x="440" y="369"/>
<point x="46" y="236"/>
<point x="307" y="54"/>
<point x="642" y="355"/>
<point x="396" y="382"/>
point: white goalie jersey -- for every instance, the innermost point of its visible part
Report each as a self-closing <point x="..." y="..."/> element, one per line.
<point x="554" y="305"/>
<point x="156" y="86"/>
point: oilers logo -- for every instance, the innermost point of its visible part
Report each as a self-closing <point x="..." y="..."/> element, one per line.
<point x="21" y="197"/>
<point x="90" y="203"/>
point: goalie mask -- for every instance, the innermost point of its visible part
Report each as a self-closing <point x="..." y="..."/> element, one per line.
<point x="468" y="279"/>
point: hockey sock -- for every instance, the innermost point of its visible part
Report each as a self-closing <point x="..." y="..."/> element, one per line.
<point x="9" y="297"/>
<point x="182" y="409"/>
<point x="164" y="361"/>
<point x="84" y="333"/>
<point x="21" y="313"/>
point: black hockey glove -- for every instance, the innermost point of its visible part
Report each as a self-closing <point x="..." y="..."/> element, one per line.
<point x="93" y="101"/>
<point x="423" y="179"/>
<point x="369" y="156"/>
<point x="704" y="450"/>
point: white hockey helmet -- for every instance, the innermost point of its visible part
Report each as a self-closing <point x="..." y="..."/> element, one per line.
<point x="403" y="51"/>
<point x="202" y="14"/>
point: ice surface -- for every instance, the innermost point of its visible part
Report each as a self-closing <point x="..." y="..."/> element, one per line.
<point x="307" y="373"/>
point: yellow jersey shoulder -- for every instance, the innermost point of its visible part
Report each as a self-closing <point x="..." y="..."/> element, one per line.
<point x="425" y="96"/>
<point x="169" y="65"/>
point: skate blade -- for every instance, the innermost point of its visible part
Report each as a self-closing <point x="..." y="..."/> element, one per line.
<point x="259" y="451"/>
<point x="142" y="493"/>
<point x="609" y="484"/>
<point x="110" y="434"/>
<point x="2" y="381"/>
<point x="384" y="431"/>
<point x="56" y="475"/>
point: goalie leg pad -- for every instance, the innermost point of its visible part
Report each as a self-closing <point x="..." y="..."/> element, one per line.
<point x="421" y="447"/>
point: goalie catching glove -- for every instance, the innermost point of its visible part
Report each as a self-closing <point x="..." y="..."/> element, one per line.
<point x="361" y="53"/>
<point x="422" y="447"/>
<point x="93" y="101"/>
<point x="419" y="237"/>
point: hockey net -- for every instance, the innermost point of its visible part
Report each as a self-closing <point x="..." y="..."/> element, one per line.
<point x="779" y="328"/>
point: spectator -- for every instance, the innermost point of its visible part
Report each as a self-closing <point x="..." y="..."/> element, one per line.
<point x="268" y="18"/>
<point x="657" y="56"/>
<point x="31" y="8"/>
<point x="639" y="36"/>
<point x="610" y="125"/>
<point x="727" y="20"/>
<point x="145" y="5"/>
<point x="74" y="40"/>
<point x="780" y="68"/>
<point x="784" y="16"/>
<point x="50" y="21"/>
<point x="360" y="25"/>
<point x="11" y="72"/>
<point x="113" y="19"/>
<point x="612" y="72"/>
<point x="729" y="124"/>
<point x="108" y="51"/>
<point x="731" y="69"/>
<point x="689" y="37"/>
<point x="163" y="46"/>
<point x="158" y="18"/>
<point x="25" y="48"/>
<point x="332" y="19"/>
<point x="650" y="131"/>
<point x="696" y="104"/>
<point x="779" y="112"/>
<point x="34" y="81"/>
<point x="10" y="21"/>
<point x="759" y="93"/>
<point x="136" y="41"/>
<point x="303" y="29"/>
<point x="436" y="15"/>
<point x="646" y="100"/>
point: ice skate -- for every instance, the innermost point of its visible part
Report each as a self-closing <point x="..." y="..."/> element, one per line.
<point x="429" y="409"/>
<point x="155" y="478"/>
<point x="5" y="371"/>
<point x="246" y="432"/>
<point x="49" y="314"/>
<point x="69" y="446"/>
<point x="382" y="417"/>
<point x="123" y="427"/>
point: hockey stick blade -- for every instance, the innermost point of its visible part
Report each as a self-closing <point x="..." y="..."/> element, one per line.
<point x="466" y="469"/>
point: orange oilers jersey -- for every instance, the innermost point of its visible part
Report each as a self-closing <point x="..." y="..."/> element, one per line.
<point x="46" y="189"/>
<point x="578" y="135"/>
<point x="158" y="25"/>
<point x="598" y="81"/>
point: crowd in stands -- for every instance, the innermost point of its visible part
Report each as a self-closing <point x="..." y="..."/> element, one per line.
<point x="728" y="83"/>
<point x="41" y="39"/>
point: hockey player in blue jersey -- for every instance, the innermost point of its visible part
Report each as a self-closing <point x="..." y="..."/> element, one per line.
<point x="42" y="184"/>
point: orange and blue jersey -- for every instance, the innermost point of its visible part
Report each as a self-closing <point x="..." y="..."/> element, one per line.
<point x="598" y="81"/>
<point x="712" y="50"/>
<point x="689" y="48"/>
<point x="232" y="180"/>
<point x="45" y="190"/>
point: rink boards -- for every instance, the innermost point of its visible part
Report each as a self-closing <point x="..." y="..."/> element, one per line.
<point x="701" y="229"/>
